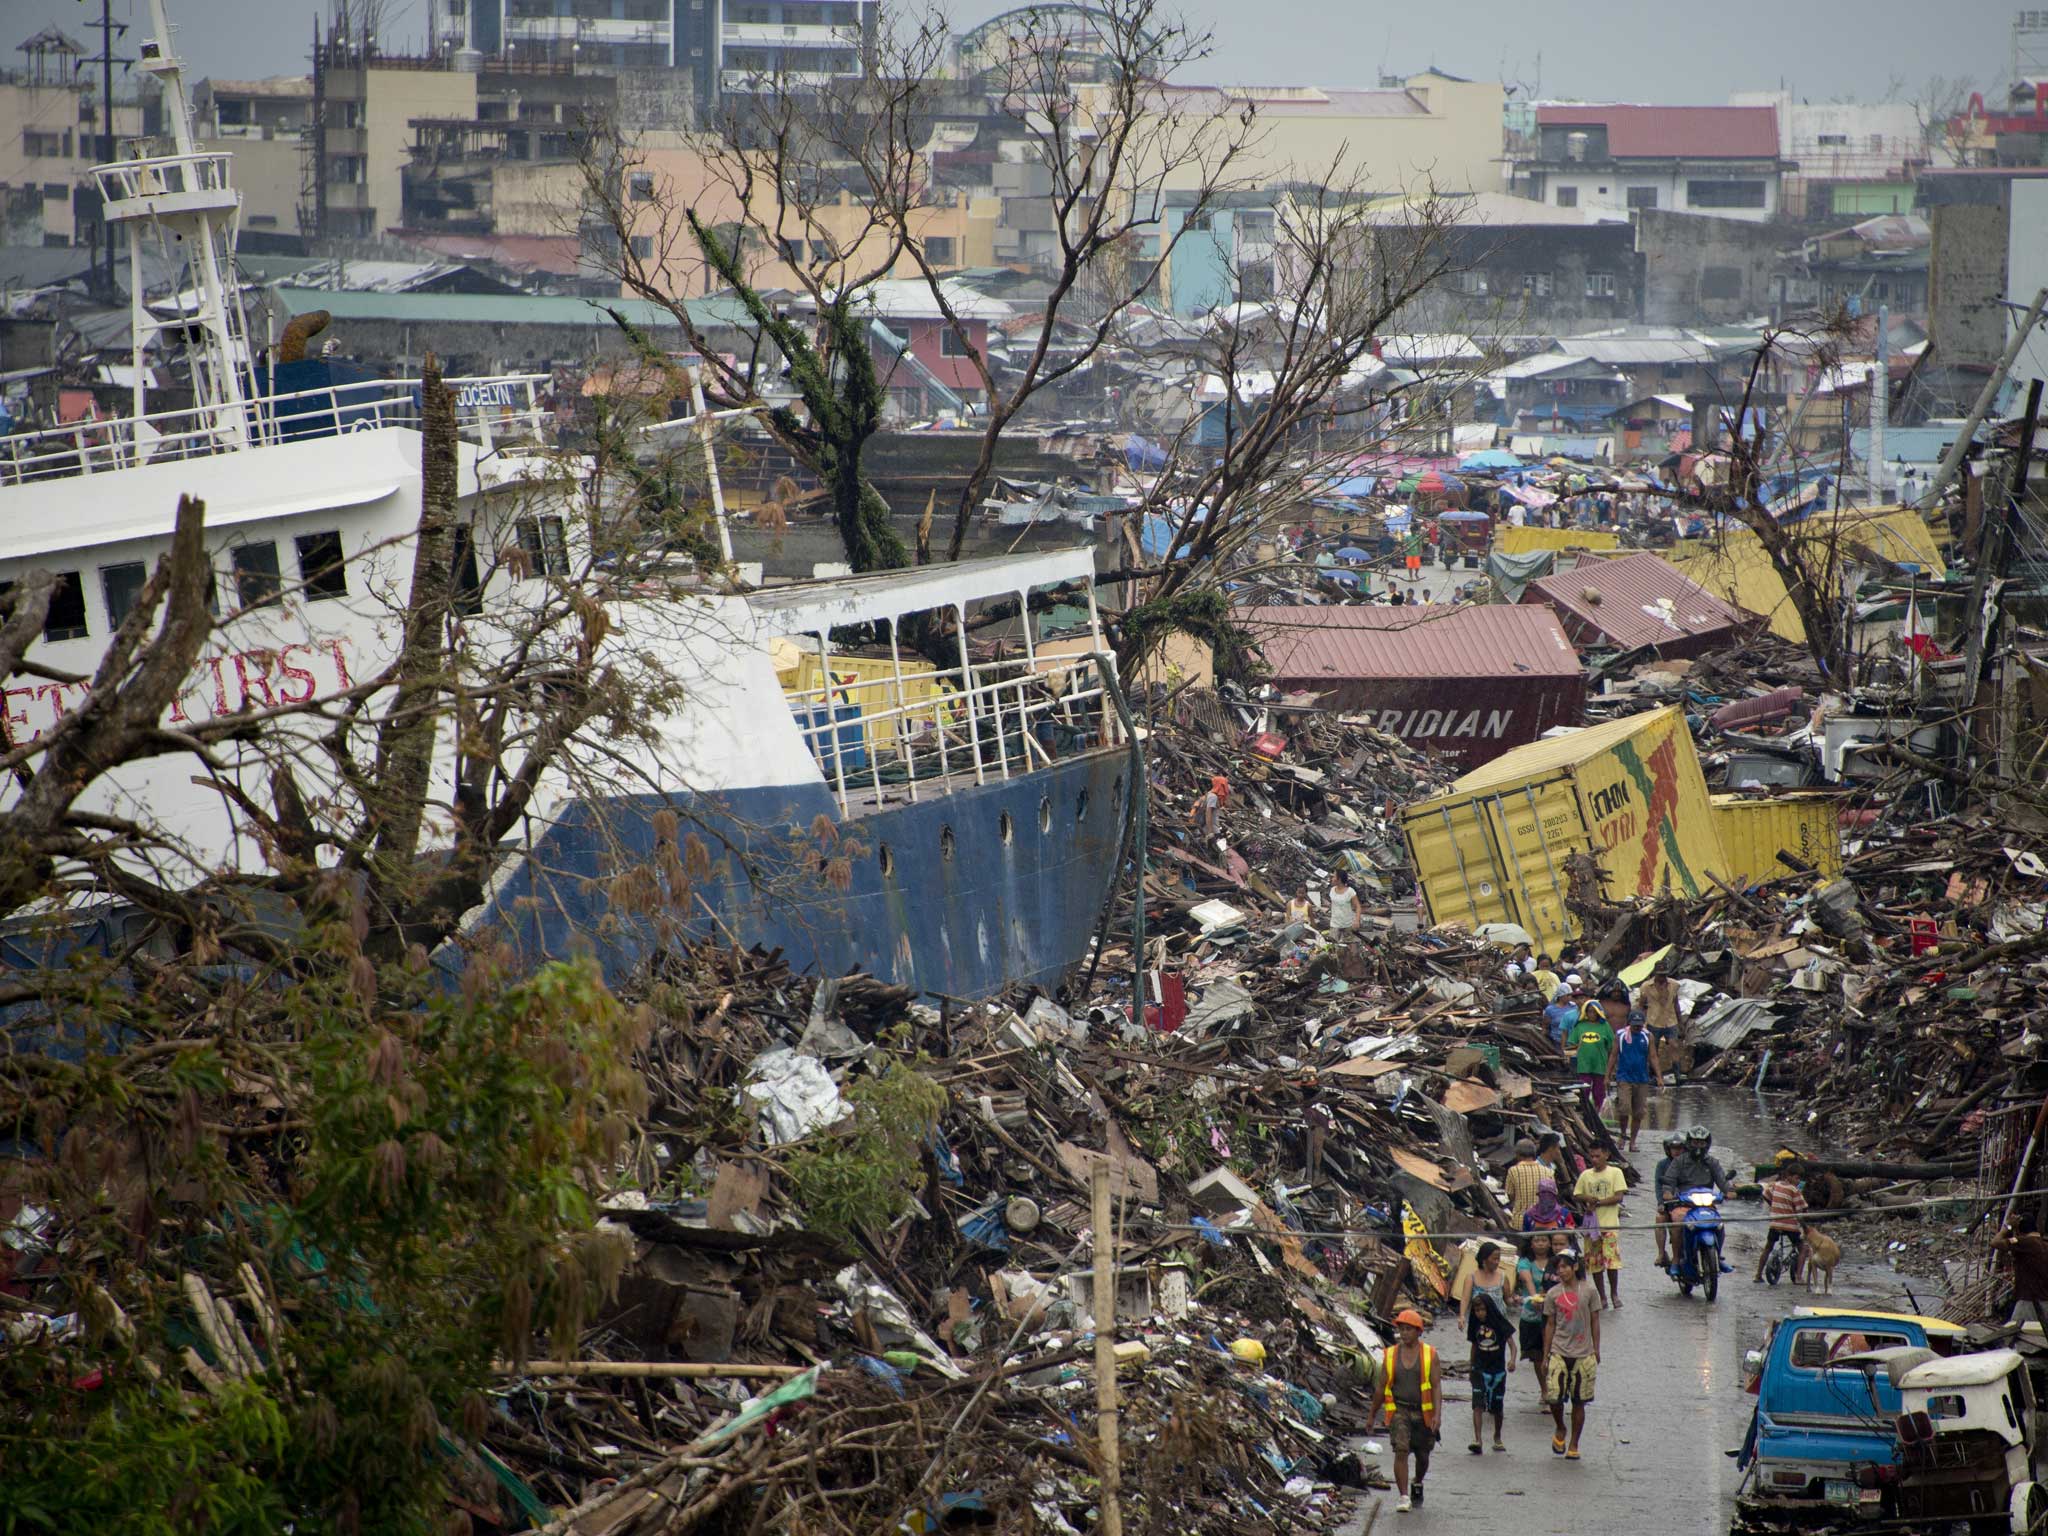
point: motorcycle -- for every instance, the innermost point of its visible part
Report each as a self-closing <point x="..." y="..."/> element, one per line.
<point x="1696" y="1257"/>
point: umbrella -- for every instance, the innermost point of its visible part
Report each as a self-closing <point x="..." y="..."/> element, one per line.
<point x="1490" y="458"/>
<point x="1428" y="483"/>
<point x="1352" y="552"/>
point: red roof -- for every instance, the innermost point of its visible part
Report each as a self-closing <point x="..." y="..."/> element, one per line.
<point x="1688" y="619"/>
<point x="1425" y="640"/>
<point x="1670" y="133"/>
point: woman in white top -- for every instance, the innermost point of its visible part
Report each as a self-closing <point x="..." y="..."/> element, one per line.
<point x="1343" y="905"/>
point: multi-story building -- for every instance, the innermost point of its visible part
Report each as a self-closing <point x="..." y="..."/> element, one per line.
<point x="51" y="135"/>
<point x="1722" y="161"/>
<point x="1432" y="128"/>
<point x="1845" y="159"/>
<point x="720" y="45"/>
<point x="364" y="103"/>
<point x="265" y="124"/>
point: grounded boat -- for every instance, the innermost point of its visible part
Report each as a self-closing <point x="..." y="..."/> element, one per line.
<point x="952" y="826"/>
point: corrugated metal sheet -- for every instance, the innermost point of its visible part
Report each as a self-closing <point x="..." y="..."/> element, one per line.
<point x="1431" y="640"/>
<point x="1643" y="601"/>
<point x="1733" y="565"/>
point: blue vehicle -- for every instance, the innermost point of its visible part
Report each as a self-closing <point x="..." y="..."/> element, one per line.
<point x="1824" y="1425"/>
<point x="1696" y="1251"/>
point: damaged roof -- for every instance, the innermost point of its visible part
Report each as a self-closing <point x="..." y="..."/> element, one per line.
<point x="1419" y="640"/>
<point x="1637" y="600"/>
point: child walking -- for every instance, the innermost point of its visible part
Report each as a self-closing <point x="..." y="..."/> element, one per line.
<point x="1493" y="1359"/>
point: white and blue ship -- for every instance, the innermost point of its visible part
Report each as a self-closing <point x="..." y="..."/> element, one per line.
<point x="948" y="823"/>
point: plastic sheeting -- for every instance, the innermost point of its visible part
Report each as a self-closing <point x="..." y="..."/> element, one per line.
<point x="794" y="1095"/>
<point x="1512" y="573"/>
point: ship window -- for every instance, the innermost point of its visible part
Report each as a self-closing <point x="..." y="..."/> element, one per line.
<point x="887" y="860"/>
<point x="1081" y="808"/>
<point x="66" y="618"/>
<point x="122" y="587"/>
<point x="256" y="577"/>
<point x="545" y="546"/>
<point x="321" y="565"/>
<point x="1044" y="816"/>
<point x="946" y="844"/>
<point x="469" y="582"/>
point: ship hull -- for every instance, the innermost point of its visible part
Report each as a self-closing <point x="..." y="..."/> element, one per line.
<point x="958" y="895"/>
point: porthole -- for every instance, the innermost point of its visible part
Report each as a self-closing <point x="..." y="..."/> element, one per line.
<point x="1081" y="808"/>
<point x="1007" y="828"/>
<point x="1118" y="795"/>
<point x="887" y="859"/>
<point x="1044" y="816"/>
<point x="946" y="844"/>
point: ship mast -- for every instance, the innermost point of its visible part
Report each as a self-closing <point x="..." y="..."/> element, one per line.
<point x="187" y="198"/>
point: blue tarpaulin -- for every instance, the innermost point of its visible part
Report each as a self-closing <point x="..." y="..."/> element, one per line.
<point x="1357" y="485"/>
<point x="1141" y="453"/>
<point x="1156" y="536"/>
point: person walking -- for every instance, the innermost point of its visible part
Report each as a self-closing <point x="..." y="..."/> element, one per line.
<point x="1599" y="1191"/>
<point x="1667" y="1194"/>
<point x="1492" y="1338"/>
<point x="1659" y="997"/>
<point x="1561" y="1013"/>
<point x="1592" y="1043"/>
<point x="2028" y="1251"/>
<point x="1533" y="1269"/>
<point x="1521" y="1179"/>
<point x="1634" y="1066"/>
<point x="1411" y="1402"/>
<point x="1489" y="1278"/>
<point x="1548" y="1214"/>
<point x="1784" y="1203"/>
<point x="1571" y="1351"/>
<point x="1343" y="904"/>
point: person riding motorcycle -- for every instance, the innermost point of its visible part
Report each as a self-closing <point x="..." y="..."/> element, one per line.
<point x="1693" y="1168"/>
<point x="1667" y="1192"/>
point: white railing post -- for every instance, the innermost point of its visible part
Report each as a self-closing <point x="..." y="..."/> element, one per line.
<point x="967" y="689"/>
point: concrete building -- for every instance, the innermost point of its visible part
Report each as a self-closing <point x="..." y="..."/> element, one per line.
<point x="1699" y="270"/>
<point x="364" y="106"/>
<point x="1722" y="161"/>
<point x="50" y="137"/>
<point x="1432" y="128"/>
<point x="670" y="172"/>
<point x="1532" y="267"/>
<point x="267" y="125"/>
<point x="719" y="45"/>
<point x="1845" y="160"/>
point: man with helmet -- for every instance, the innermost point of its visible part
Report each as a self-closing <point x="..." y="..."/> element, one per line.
<point x="1693" y="1168"/>
<point x="1410" y="1399"/>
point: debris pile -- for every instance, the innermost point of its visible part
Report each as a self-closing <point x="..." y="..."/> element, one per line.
<point x="861" y="1287"/>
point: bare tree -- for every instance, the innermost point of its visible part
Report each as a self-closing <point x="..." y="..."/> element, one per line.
<point x="1942" y="106"/>
<point x="825" y="193"/>
<point x="1291" y="394"/>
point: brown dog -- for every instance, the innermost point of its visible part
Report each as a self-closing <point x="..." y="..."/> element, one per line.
<point x="1823" y="1253"/>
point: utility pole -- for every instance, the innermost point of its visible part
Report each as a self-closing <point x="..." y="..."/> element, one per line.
<point x="1877" y="471"/>
<point x="1994" y="550"/>
<point x="108" y="29"/>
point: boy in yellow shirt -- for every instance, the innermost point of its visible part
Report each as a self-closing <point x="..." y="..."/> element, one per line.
<point x="1600" y="1189"/>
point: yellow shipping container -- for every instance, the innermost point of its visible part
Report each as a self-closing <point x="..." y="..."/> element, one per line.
<point x="870" y="682"/>
<point x="1492" y="849"/>
<point x="1510" y="540"/>
<point x="1752" y="831"/>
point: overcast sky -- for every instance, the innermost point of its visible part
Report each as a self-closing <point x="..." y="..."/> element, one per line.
<point x="1593" y="49"/>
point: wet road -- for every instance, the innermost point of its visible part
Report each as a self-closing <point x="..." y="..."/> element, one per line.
<point x="1671" y="1399"/>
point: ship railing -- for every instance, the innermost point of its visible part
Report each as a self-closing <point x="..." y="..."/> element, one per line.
<point x="495" y="411"/>
<point x="927" y="732"/>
